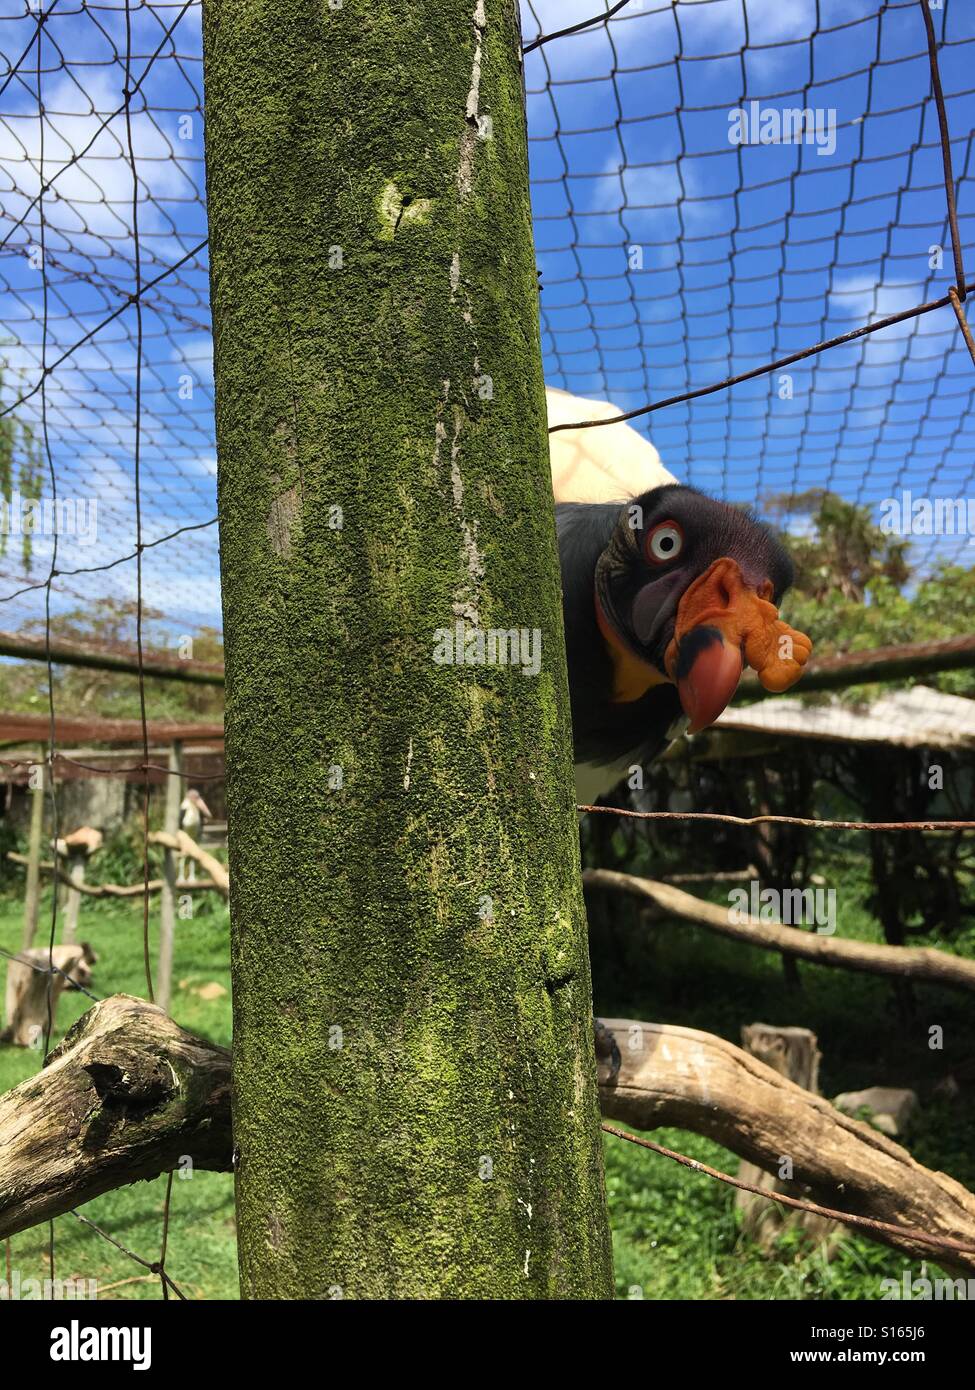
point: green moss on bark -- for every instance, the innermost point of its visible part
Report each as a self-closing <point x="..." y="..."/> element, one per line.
<point x="404" y="860"/>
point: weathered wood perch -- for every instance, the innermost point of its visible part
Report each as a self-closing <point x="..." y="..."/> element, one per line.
<point x="184" y="845"/>
<point x="664" y="1075"/>
<point x="128" y="1093"/>
<point x="922" y="963"/>
<point x="115" y="890"/>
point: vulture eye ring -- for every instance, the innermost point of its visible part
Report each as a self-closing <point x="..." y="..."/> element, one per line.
<point x="665" y="542"/>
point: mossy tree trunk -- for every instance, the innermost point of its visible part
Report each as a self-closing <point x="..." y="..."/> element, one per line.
<point x="415" y="1106"/>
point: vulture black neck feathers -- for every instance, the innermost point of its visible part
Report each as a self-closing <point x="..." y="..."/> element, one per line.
<point x="605" y="728"/>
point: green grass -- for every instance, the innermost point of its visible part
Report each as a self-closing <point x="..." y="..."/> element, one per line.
<point x="675" y="1232"/>
<point x="676" y="1236"/>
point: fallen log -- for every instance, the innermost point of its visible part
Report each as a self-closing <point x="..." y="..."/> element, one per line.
<point x="128" y="1094"/>
<point x="922" y="963"/>
<point x="653" y="1074"/>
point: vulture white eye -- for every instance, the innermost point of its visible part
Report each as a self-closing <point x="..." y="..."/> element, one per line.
<point x="664" y="542"/>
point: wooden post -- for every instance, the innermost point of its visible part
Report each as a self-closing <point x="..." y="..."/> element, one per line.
<point x="76" y="862"/>
<point x="793" y="1053"/>
<point x="167" y="897"/>
<point x="73" y="851"/>
<point x="32" y="989"/>
<point x="415" y="1105"/>
<point x="32" y="896"/>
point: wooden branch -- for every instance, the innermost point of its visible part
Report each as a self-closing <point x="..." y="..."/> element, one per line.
<point x="127" y="1095"/>
<point x="653" y="1074"/>
<point x="719" y="876"/>
<point x="821" y="673"/>
<point x="876" y="664"/>
<point x="116" y="890"/>
<point x="97" y="657"/>
<point x="182" y="843"/>
<point x="912" y="962"/>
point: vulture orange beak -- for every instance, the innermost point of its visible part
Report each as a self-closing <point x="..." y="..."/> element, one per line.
<point x="722" y="626"/>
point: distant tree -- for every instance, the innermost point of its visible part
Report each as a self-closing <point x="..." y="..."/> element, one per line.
<point x="855" y="587"/>
<point x="843" y="549"/>
<point x="19" y="453"/>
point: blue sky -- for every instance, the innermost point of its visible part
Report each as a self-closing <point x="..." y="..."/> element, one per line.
<point x="751" y="252"/>
<point x="670" y="257"/>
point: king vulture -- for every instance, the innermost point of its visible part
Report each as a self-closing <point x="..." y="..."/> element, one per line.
<point x="666" y="594"/>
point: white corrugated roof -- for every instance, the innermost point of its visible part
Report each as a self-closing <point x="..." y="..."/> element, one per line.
<point x="913" y="718"/>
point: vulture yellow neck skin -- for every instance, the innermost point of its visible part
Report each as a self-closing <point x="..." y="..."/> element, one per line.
<point x="632" y="677"/>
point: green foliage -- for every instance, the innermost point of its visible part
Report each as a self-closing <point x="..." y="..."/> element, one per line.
<point x="940" y="606"/>
<point x="18" y="440"/>
<point x="844" y="550"/>
<point x="9" y="840"/>
<point x="120" y="858"/>
<point x="676" y="1235"/>
<point x="854" y="588"/>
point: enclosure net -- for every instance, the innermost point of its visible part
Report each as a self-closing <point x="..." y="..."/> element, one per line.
<point x="683" y="235"/>
<point x="671" y="257"/>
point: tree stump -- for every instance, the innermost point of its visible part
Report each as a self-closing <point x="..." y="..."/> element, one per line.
<point x="794" y="1054"/>
<point x="76" y="848"/>
<point x="28" y="977"/>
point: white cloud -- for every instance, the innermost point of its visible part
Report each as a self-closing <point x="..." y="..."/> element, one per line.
<point x="862" y="298"/>
<point x="90" y="198"/>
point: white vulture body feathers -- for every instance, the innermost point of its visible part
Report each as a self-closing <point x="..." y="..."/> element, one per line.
<point x="608" y="464"/>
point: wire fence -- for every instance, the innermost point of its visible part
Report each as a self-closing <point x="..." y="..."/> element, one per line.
<point x="675" y="257"/>
<point x="106" y="295"/>
<point x="680" y="267"/>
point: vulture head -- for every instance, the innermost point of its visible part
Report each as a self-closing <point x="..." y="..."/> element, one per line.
<point x="686" y="591"/>
<point x="194" y="801"/>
